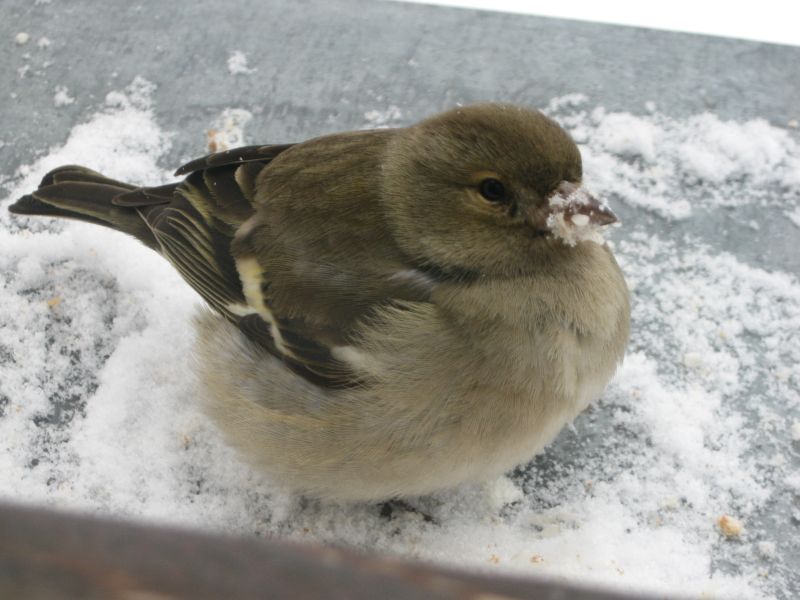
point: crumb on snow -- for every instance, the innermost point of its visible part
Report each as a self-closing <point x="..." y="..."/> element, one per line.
<point x="730" y="526"/>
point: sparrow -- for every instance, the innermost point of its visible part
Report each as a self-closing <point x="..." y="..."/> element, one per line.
<point x="390" y="312"/>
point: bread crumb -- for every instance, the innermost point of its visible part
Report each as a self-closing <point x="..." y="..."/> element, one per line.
<point x="21" y="38"/>
<point x="494" y="559"/>
<point x="212" y="143"/>
<point x="54" y="301"/>
<point x="730" y="526"/>
<point x="228" y="130"/>
<point x="536" y="558"/>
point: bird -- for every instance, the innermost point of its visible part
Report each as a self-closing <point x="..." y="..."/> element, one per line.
<point x="389" y="313"/>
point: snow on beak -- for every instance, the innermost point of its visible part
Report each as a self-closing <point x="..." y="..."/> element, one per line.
<point x="579" y="206"/>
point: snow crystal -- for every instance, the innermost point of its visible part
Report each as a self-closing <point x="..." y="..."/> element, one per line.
<point x="97" y="406"/>
<point x="572" y="227"/>
<point x="62" y="97"/>
<point x="766" y="549"/>
<point x="576" y="229"/>
<point x="380" y="119"/>
<point x="794" y="216"/>
<point x="237" y="64"/>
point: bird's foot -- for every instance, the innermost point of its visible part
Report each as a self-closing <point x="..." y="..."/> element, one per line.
<point x="391" y="508"/>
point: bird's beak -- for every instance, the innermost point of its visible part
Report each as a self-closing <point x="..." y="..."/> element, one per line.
<point x="572" y="200"/>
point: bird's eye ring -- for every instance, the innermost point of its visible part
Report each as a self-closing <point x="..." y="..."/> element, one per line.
<point x="492" y="189"/>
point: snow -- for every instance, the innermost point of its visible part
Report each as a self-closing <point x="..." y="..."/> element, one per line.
<point x="575" y="227"/>
<point x="62" y="97"/>
<point x="98" y="412"/>
<point x="794" y="216"/>
<point x="381" y="119"/>
<point x="237" y="64"/>
<point x="644" y="160"/>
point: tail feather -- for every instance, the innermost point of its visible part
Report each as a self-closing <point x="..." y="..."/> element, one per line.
<point x="78" y="173"/>
<point x="151" y="196"/>
<point x="30" y="206"/>
<point x="74" y="173"/>
<point x="77" y="193"/>
<point x="190" y="223"/>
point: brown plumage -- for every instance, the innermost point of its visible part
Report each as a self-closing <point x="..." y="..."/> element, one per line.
<point x="393" y="312"/>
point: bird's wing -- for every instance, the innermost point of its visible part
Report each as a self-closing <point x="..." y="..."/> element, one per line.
<point x="317" y="260"/>
<point x="236" y="156"/>
<point x="297" y="266"/>
<point x="193" y="221"/>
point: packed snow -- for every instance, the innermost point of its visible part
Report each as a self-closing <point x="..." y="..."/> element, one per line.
<point x="671" y="482"/>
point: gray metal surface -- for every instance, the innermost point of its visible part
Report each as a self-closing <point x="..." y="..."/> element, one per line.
<point x="322" y="64"/>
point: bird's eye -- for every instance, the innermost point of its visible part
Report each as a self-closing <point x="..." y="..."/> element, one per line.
<point x="492" y="189"/>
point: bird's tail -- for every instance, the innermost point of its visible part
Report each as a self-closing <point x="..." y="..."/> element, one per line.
<point x="75" y="192"/>
<point x="184" y="222"/>
<point x="190" y="223"/>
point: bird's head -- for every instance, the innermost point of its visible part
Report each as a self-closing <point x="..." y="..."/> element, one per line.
<point x="486" y="189"/>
